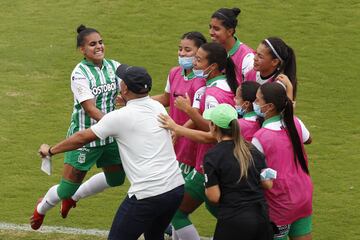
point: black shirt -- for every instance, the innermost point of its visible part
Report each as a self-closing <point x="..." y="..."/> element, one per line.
<point x="222" y="168"/>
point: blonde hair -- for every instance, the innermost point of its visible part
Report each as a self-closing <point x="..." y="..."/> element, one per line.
<point x="242" y="148"/>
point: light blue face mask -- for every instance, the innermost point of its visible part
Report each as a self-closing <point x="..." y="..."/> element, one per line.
<point x="186" y="62"/>
<point x="257" y="110"/>
<point x="240" y="110"/>
<point x="200" y="73"/>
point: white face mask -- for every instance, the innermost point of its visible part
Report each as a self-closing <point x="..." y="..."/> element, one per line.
<point x="240" y="109"/>
<point x="200" y="73"/>
<point x="257" y="109"/>
<point x="186" y="62"/>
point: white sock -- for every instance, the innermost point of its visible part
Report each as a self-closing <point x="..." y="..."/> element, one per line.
<point x="93" y="185"/>
<point x="174" y="236"/>
<point x="187" y="233"/>
<point x="49" y="201"/>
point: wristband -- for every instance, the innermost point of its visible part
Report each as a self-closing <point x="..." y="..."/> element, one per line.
<point x="49" y="152"/>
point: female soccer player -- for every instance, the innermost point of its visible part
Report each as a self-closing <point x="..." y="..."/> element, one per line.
<point x="211" y="62"/>
<point x="181" y="81"/>
<point x="281" y="139"/>
<point x="222" y="30"/>
<point x="275" y="60"/>
<point x="244" y="98"/>
<point x="232" y="169"/>
<point x="95" y="87"/>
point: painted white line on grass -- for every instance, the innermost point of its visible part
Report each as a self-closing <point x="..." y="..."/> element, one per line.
<point x="52" y="229"/>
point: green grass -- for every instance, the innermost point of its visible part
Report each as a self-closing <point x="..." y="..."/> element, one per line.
<point x="37" y="47"/>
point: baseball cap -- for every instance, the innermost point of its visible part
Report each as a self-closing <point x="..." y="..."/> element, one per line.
<point x="221" y="115"/>
<point x="137" y="79"/>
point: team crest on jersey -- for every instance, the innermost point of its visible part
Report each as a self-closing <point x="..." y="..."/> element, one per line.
<point x="80" y="90"/>
<point x="111" y="75"/>
<point x="82" y="158"/>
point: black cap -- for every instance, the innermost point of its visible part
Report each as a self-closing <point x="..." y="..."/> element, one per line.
<point x="137" y="79"/>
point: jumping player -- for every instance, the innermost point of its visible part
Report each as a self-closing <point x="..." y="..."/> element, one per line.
<point x="95" y="87"/>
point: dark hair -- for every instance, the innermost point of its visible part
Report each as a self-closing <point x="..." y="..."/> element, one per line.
<point x="288" y="63"/>
<point x="197" y="37"/>
<point x="248" y="90"/>
<point x="276" y="94"/>
<point x="227" y="16"/>
<point x="216" y="53"/>
<point x="242" y="148"/>
<point x="248" y="93"/>
<point x="83" y="31"/>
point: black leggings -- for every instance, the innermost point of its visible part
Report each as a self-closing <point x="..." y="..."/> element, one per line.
<point x="251" y="223"/>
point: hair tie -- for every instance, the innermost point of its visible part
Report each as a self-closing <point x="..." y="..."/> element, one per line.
<point x="273" y="50"/>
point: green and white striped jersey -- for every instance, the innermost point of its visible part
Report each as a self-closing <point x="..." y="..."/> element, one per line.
<point x="90" y="82"/>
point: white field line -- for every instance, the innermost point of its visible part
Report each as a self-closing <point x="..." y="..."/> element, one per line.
<point x="52" y="229"/>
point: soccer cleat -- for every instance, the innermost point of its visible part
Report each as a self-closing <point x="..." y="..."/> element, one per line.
<point x="36" y="219"/>
<point x="66" y="205"/>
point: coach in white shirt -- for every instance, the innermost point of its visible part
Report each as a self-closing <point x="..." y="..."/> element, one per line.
<point x="147" y="156"/>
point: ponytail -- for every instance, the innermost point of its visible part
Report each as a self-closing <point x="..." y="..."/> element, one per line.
<point x="290" y="69"/>
<point x="275" y="93"/>
<point x="288" y="117"/>
<point x="231" y="75"/>
<point x="242" y="148"/>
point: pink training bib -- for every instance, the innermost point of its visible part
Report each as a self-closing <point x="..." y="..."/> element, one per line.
<point x="185" y="149"/>
<point x="221" y="96"/>
<point x="291" y="195"/>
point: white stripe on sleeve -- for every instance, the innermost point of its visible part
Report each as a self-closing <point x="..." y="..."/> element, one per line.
<point x="304" y="131"/>
<point x="248" y="63"/>
<point x="167" y="87"/>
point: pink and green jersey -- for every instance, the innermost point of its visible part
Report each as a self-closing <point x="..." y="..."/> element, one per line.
<point x="291" y="195"/>
<point x="243" y="58"/>
<point x="217" y="91"/>
<point x="178" y="85"/>
<point x="248" y="125"/>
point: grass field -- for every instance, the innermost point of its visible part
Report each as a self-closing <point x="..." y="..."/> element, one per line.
<point x="37" y="46"/>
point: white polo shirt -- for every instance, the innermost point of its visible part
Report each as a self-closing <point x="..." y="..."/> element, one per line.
<point x="145" y="148"/>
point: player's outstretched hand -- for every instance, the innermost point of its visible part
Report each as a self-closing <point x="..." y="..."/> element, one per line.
<point x="44" y="150"/>
<point x="167" y="122"/>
